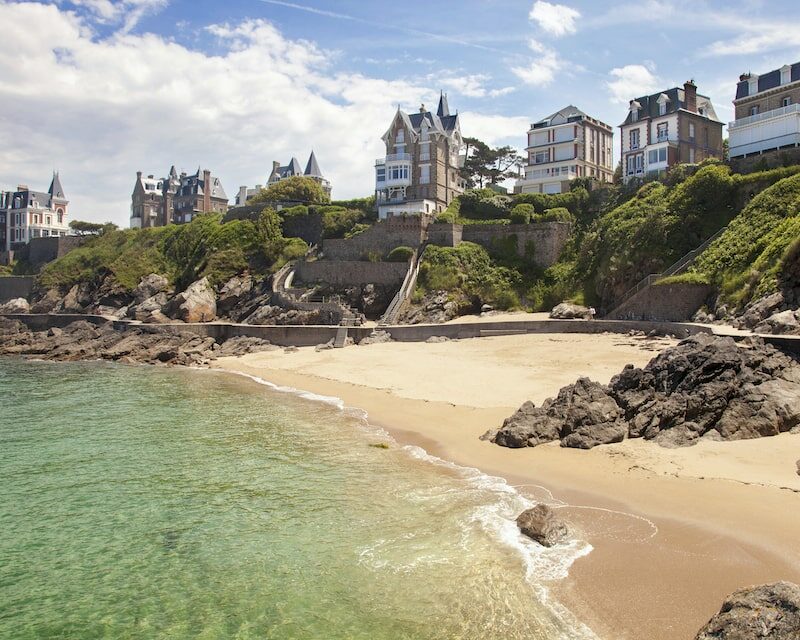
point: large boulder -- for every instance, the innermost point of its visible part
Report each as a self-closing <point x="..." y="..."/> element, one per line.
<point x="198" y="303"/>
<point x="569" y="311"/>
<point x="758" y="310"/>
<point x="783" y="322"/>
<point x="150" y="286"/>
<point x="542" y="525"/>
<point x="17" y="305"/>
<point x="150" y="309"/>
<point x="233" y="293"/>
<point x="46" y="303"/>
<point x="770" y="611"/>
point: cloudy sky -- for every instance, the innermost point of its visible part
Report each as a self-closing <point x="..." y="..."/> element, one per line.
<point x="102" y="88"/>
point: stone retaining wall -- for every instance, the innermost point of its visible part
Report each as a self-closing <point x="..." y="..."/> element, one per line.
<point x="544" y="240"/>
<point x="12" y="287"/>
<point x="351" y="273"/>
<point x="669" y="302"/>
<point x="380" y="238"/>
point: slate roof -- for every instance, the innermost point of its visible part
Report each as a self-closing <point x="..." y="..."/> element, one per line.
<point x="570" y="113"/>
<point x="43" y="198"/>
<point x="677" y="101"/>
<point x="312" y="168"/>
<point x="766" y="81"/>
<point x="56" y="190"/>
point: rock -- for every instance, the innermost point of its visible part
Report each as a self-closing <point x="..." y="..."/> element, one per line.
<point x="17" y="305"/>
<point x="324" y="347"/>
<point x="704" y="387"/>
<point x="436" y="307"/>
<point x="770" y="611"/>
<point x="71" y="303"/>
<point x="542" y="525"/>
<point x="150" y="286"/>
<point x="143" y="312"/>
<point x="46" y="303"/>
<point x="569" y="311"/>
<point x="233" y="293"/>
<point x="198" y="303"/>
<point x="783" y="323"/>
<point x="759" y="310"/>
<point x="486" y="308"/>
<point x="241" y="345"/>
<point x="437" y="339"/>
<point x="378" y="336"/>
<point x="798" y="467"/>
<point x="290" y="349"/>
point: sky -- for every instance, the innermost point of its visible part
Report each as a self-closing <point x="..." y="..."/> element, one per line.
<point x="98" y="89"/>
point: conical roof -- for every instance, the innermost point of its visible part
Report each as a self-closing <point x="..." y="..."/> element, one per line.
<point x="312" y="168"/>
<point x="56" y="190"/>
<point x="444" y="108"/>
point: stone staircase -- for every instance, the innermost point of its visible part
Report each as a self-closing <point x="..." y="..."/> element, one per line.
<point x="406" y="289"/>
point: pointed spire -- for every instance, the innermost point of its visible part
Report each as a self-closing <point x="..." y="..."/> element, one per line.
<point x="444" y="108"/>
<point x="312" y="168"/>
<point x="294" y="168"/>
<point x="172" y="172"/>
<point x="56" y="190"/>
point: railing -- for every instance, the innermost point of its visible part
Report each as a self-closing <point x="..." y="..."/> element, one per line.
<point x="393" y="157"/>
<point x="782" y="111"/>
<point x="409" y="282"/>
<point x="677" y="267"/>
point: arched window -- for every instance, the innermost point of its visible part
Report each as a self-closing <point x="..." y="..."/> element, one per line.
<point x="60" y="216"/>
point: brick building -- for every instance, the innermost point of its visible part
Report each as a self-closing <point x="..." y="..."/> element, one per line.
<point x="565" y="145"/>
<point x="26" y="214"/>
<point x="767" y="113"/>
<point x="420" y="171"/>
<point x="156" y="202"/>
<point x="672" y="127"/>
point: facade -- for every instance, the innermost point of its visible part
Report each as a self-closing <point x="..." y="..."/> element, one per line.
<point x="568" y="144"/>
<point x="293" y="169"/>
<point x="767" y="112"/>
<point x="245" y="193"/>
<point x="26" y="214"/>
<point x="668" y="128"/>
<point x="176" y="199"/>
<point x="420" y="172"/>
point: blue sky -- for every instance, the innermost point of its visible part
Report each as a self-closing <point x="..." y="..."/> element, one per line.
<point x="100" y="89"/>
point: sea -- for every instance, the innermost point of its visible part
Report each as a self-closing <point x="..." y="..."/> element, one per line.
<point x="147" y="502"/>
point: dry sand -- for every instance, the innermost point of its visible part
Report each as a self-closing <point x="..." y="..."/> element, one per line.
<point x="674" y="530"/>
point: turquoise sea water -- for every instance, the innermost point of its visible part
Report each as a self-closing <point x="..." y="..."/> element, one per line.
<point x="158" y="503"/>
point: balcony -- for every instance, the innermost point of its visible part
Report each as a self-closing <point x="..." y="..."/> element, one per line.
<point x="766" y="131"/>
<point x="393" y="157"/>
<point x="767" y="115"/>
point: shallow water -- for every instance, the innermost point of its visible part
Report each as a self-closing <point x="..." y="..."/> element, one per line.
<point x="140" y="502"/>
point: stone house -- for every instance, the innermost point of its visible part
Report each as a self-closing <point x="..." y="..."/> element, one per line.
<point x="767" y="112"/>
<point x="420" y="172"/>
<point x="671" y="127"/>
<point x="293" y="169"/>
<point x="156" y="202"/>
<point x="26" y="214"/>
<point x="565" y="145"/>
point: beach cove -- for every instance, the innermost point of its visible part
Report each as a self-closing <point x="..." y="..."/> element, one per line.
<point x="673" y="531"/>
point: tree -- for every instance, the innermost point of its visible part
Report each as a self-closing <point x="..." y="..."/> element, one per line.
<point x="485" y="165"/>
<point x="82" y="228"/>
<point x="296" y="188"/>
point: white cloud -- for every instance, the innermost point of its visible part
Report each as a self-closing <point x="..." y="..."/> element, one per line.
<point x="472" y="86"/>
<point x="631" y="81"/>
<point x="542" y="70"/>
<point x="495" y="130"/>
<point x="555" y="19"/>
<point x="128" y="13"/>
<point x="756" y="38"/>
<point x="131" y="102"/>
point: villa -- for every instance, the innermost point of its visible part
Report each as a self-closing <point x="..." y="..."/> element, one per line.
<point x="26" y="214"/>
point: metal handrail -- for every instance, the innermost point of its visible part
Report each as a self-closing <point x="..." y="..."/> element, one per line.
<point x="774" y="113"/>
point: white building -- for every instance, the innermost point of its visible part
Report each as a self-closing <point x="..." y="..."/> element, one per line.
<point x="767" y="112"/>
<point x="31" y="214"/>
<point x="568" y="144"/>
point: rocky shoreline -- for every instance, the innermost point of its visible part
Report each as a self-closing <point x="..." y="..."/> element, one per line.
<point x="135" y="344"/>
<point x="706" y="387"/>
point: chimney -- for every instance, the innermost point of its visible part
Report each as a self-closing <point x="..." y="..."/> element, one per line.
<point x="690" y="90"/>
<point x="422" y="108"/>
<point x="138" y="175"/>
<point x="206" y="191"/>
<point x="744" y="76"/>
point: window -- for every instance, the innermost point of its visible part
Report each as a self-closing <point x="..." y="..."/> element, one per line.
<point x="49" y="220"/>
<point x="399" y="172"/>
<point x="663" y="131"/>
<point x="60" y="217"/>
<point x="541" y="157"/>
<point x="754" y="110"/>
<point x="786" y="101"/>
<point x="425" y="174"/>
<point x="634" y="115"/>
<point x="380" y="173"/>
<point x="691" y="155"/>
<point x="657" y="155"/>
<point x="639" y="162"/>
<point x="691" y="131"/>
<point x="662" y="108"/>
<point x="400" y="142"/>
<point x="635" y="139"/>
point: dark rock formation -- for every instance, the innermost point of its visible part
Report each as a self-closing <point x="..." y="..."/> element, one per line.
<point x="233" y="293"/>
<point x="198" y="303"/>
<point x="436" y="307"/>
<point x="706" y="386"/>
<point x="82" y="340"/>
<point x="769" y="611"/>
<point x="569" y="311"/>
<point x="150" y="286"/>
<point x="542" y="525"/>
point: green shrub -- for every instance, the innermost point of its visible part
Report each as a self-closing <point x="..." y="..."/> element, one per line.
<point x="521" y="213"/>
<point x="400" y="254"/>
<point x="556" y="214"/>
<point x="684" y="278"/>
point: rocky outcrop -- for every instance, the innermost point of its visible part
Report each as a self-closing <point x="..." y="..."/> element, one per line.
<point x="273" y="315"/>
<point x="233" y="293"/>
<point x="82" y="340"/>
<point x="150" y="286"/>
<point x="784" y="323"/>
<point x="705" y="387"/>
<point x="47" y="302"/>
<point x="770" y="611"/>
<point x="198" y="303"/>
<point x="150" y="310"/>
<point x="17" y="305"/>
<point x="569" y="311"/>
<point x="436" y="307"/>
<point x="541" y="525"/>
<point x="379" y="336"/>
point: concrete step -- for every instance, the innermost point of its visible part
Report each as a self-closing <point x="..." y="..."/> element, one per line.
<point x="341" y="338"/>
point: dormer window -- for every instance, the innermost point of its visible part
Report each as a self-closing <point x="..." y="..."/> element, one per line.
<point x="786" y="101"/>
<point x="663" y="102"/>
<point x="634" y="115"/>
<point x="752" y="86"/>
<point x="786" y="74"/>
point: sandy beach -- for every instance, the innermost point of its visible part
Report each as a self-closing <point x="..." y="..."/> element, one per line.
<point x="674" y="530"/>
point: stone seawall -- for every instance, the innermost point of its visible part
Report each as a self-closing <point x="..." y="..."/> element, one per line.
<point x="380" y="238"/>
<point x="351" y="273"/>
<point x="12" y="287"/>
